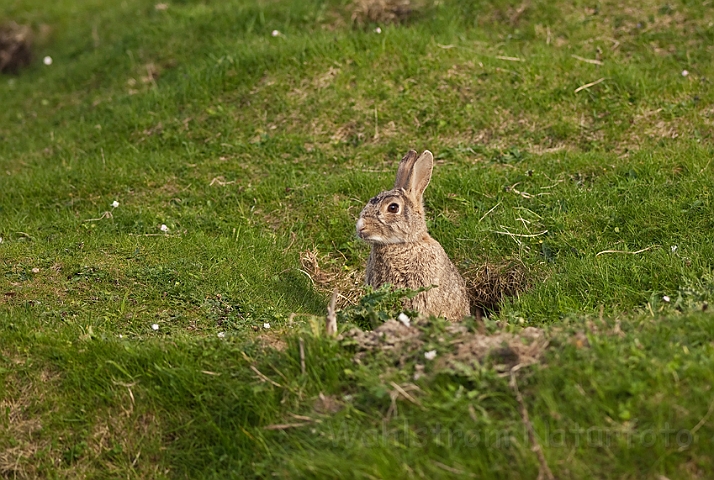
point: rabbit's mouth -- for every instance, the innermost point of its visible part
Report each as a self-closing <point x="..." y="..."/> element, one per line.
<point x="364" y="233"/>
<point x="376" y="238"/>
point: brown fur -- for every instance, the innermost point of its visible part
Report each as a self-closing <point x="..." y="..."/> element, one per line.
<point x="403" y="253"/>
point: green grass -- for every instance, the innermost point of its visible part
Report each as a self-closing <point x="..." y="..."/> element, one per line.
<point x="252" y="149"/>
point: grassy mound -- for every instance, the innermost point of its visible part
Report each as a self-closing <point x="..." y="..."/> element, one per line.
<point x="178" y="193"/>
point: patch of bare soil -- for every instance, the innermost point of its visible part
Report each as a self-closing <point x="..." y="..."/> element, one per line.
<point x="273" y="340"/>
<point x="15" y="47"/>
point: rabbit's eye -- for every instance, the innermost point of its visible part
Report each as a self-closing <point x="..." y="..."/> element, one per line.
<point x="393" y="208"/>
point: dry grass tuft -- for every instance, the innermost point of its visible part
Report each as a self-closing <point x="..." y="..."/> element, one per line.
<point x="21" y="439"/>
<point x="124" y="431"/>
<point x="490" y="283"/>
<point x="328" y="273"/>
<point x="349" y="132"/>
<point x="113" y="447"/>
<point x="15" y="47"/>
<point x="383" y="11"/>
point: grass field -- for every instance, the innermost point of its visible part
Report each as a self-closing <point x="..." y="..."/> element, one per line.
<point x="185" y="174"/>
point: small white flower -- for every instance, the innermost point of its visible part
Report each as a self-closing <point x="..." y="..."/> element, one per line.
<point x="47" y="60"/>
<point x="0" y="239"/>
<point x="164" y="228"/>
<point x="685" y="73"/>
<point x="673" y="248"/>
<point x="266" y="325"/>
<point x="430" y="355"/>
<point x="404" y="319"/>
<point x="666" y="298"/>
<point x="275" y="33"/>
<point x="155" y="326"/>
<point x="115" y="204"/>
<point x="221" y="334"/>
<point x="377" y="30"/>
<point x="35" y="270"/>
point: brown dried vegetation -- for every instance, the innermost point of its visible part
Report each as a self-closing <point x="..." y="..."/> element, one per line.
<point x="26" y="450"/>
<point x="127" y="432"/>
<point x="328" y="273"/>
<point x="383" y="11"/>
<point x="21" y="439"/>
<point x="15" y="47"/>
<point x="490" y="283"/>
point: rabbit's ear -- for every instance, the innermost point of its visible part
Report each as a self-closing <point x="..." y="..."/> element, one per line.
<point x="421" y="174"/>
<point x="414" y="173"/>
<point x="405" y="169"/>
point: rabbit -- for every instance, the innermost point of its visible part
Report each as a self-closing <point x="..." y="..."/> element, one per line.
<point x="403" y="253"/>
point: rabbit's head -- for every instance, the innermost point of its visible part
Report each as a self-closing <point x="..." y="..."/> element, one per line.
<point x="397" y="215"/>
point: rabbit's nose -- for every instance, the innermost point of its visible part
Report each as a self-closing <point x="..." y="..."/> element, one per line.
<point x="360" y="225"/>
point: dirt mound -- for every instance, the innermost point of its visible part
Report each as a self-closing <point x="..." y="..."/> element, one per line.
<point x="458" y="347"/>
<point x="15" y="47"/>
<point x="390" y="336"/>
<point x="505" y="349"/>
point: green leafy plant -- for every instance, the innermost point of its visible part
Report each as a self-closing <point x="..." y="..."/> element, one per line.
<point x="377" y="306"/>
